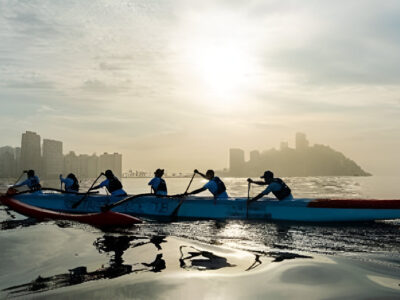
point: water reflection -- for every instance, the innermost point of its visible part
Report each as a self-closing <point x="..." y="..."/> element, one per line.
<point x="257" y="262"/>
<point x="193" y="258"/>
<point x="12" y="224"/>
<point x="277" y="257"/>
<point x="108" y="244"/>
<point x="330" y="238"/>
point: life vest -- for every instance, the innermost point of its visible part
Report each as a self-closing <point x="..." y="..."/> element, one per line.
<point x="162" y="186"/>
<point x="75" y="185"/>
<point x="220" y="186"/>
<point x="34" y="184"/>
<point x="114" y="184"/>
<point x="284" y="191"/>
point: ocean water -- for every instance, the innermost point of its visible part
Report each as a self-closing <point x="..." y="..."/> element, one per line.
<point x="25" y="243"/>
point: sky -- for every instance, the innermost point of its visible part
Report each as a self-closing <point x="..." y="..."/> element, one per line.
<point x="175" y="84"/>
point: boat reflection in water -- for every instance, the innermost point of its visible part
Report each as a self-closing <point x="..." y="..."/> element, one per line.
<point x="116" y="268"/>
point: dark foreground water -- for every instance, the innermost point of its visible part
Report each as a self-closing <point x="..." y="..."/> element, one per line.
<point x="63" y="259"/>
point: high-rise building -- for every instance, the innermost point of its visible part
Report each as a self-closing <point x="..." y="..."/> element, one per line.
<point x="111" y="162"/>
<point x="255" y="156"/>
<point x="93" y="166"/>
<point x="71" y="163"/>
<point x="52" y="158"/>
<point x="7" y="162"/>
<point x="83" y="166"/>
<point x="18" y="167"/>
<point x="118" y="164"/>
<point x="284" y="145"/>
<point x="301" y="141"/>
<point x="30" y="151"/>
<point x="236" y="162"/>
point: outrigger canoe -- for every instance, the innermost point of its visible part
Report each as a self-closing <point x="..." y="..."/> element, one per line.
<point x="196" y="208"/>
<point x="98" y="219"/>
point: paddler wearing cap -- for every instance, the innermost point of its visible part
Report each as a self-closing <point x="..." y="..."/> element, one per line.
<point x="112" y="184"/>
<point x="275" y="186"/>
<point x="158" y="185"/>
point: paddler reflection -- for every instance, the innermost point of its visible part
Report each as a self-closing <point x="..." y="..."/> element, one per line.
<point x="116" y="244"/>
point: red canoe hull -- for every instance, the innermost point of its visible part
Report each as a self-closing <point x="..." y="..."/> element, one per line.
<point x="103" y="219"/>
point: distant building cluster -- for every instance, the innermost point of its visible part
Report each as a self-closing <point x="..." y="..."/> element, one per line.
<point x="303" y="160"/>
<point x="48" y="160"/>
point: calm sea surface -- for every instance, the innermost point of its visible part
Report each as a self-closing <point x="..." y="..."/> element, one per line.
<point x="376" y="242"/>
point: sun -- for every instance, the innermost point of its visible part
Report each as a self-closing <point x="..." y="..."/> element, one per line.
<point x="223" y="69"/>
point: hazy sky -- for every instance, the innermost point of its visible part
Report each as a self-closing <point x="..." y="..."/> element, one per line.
<point x="175" y="84"/>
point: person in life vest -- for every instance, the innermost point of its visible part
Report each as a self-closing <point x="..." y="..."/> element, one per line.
<point x="71" y="183"/>
<point x="32" y="182"/>
<point x="214" y="185"/>
<point x="158" y="184"/>
<point x="276" y="186"/>
<point x="112" y="184"/>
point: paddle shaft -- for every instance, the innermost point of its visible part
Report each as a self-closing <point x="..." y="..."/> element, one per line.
<point x="19" y="178"/>
<point x="111" y="206"/>
<point x="175" y="212"/>
<point x="248" y="200"/>
<point x="194" y="174"/>
<point x="76" y="204"/>
<point x="67" y="192"/>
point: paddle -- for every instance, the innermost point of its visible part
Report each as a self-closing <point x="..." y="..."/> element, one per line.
<point x="76" y="204"/>
<point x="68" y="192"/>
<point x="107" y="207"/>
<point x="175" y="212"/>
<point x="14" y="192"/>
<point x="24" y="172"/>
<point x="248" y="199"/>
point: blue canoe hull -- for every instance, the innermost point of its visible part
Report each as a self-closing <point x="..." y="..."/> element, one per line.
<point x="196" y="208"/>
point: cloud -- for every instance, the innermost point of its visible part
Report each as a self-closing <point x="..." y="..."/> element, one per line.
<point x="30" y="20"/>
<point x="99" y="87"/>
<point x="124" y="72"/>
<point x="32" y="81"/>
<point x="109" y="67"/>
<point x="45" y="109"/>
<point x="346" y="46"/>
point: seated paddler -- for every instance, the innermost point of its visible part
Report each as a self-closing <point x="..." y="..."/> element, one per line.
<point x="112" y="184"/>
<point x="32" y="182"/>
<point x="275" y="186"/>
<point x="71" y="183"/>
<point x="158" y="184"/>
<point x="214" y="185"/>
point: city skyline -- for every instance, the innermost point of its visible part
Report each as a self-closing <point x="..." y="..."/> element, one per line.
<point x="162" y="82"/>
<point x="49" y="161"/>
<point x="304" y="159"/>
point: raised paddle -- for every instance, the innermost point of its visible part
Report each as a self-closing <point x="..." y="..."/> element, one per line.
<point x="175" y="212"/>
<point x="76" y="204"/>
<point x="248" y="199"/>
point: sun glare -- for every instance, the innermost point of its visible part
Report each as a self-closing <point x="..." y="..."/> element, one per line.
<point x="222" y="69"/>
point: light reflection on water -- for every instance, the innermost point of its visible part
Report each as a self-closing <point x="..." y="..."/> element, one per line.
<point x="380" y="237"/>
